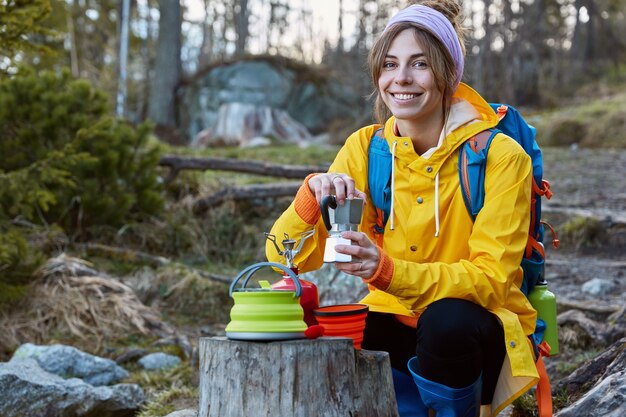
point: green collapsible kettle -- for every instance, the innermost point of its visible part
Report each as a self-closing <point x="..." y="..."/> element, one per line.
<point x="265" y="313"/>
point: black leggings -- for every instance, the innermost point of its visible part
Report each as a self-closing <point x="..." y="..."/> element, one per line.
<point x="455" y="341"/>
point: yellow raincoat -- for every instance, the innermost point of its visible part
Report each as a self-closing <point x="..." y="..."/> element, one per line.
<point x="435" y="250"/>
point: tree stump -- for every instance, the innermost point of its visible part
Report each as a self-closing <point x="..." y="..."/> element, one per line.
<point x="304" y="378"/>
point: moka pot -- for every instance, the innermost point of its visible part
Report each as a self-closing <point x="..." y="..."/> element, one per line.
<point x="347" y="217"/>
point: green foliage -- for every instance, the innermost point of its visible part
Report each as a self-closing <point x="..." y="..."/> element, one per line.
<point x="20" y="22"/>
<point x="66" y="162"/>
<point x="94" y="169"/>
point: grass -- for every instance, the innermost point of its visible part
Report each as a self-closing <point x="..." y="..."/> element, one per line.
<point x="167" y="390"/>
<point x="589" y="122"/>
<point x="279" y="154"/>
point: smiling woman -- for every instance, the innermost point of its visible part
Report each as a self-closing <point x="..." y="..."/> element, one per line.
<point x="443" y="298"/>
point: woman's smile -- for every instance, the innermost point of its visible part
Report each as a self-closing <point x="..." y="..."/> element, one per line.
<point x="402" y="97"/>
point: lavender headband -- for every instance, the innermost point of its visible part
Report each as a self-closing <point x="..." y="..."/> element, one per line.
<point x="440" y="26"/>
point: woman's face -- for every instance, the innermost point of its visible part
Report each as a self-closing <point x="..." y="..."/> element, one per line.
<point x="406" y="83"/>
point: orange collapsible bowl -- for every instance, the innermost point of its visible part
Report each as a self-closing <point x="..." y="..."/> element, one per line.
<point x="343" y="320"/>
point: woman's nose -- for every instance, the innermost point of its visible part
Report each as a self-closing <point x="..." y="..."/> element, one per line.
<point x="403" y="76"/>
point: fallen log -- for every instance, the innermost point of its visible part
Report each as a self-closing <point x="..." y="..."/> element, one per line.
<point x="299" y="378"/>
<point x="285" y="189"/>
<point x="177" y="163"/>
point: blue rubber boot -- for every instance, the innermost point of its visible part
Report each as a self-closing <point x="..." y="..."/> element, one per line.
<point x="446" y="401"/>
<point x="407" y="396"/>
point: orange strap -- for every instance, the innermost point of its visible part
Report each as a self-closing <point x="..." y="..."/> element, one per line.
<point x="555" y="239"/>
<point x="533" y="244"/>
<point x="543" y="190"/>
<point x="502" y="112"/>
<point x="544" y="389"/>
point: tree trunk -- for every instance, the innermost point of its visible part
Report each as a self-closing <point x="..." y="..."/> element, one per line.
<point x="167" y="68"/>
<point x="241" y="26"/>
<point x="300" y="378"/>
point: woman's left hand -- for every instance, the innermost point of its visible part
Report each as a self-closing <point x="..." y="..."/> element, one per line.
<point x="365" y="255"/>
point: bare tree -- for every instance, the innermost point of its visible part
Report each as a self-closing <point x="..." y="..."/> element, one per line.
<point x="242" y="17"/>
<point x="167" y="71"/>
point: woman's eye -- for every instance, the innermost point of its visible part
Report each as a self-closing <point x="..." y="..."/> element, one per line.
<point x="420" y="64"/>
<point x="389" y="65"/>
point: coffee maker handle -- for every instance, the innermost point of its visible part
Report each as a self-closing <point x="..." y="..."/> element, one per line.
<point x="327" y="201"/>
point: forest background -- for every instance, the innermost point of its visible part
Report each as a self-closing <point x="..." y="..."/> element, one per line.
<point x="88" y="106"/>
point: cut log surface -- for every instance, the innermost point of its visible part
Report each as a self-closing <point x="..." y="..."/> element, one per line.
<point x="304" y="378"/>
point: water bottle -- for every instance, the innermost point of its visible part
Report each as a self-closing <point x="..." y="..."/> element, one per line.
<point x="544" y="302"/>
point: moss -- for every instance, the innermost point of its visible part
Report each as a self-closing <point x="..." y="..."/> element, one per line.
<point x="168" y="401"/>
<point x="166" y="391"/>
<point x="565" y="132"/>
<point x="583" y="232"/>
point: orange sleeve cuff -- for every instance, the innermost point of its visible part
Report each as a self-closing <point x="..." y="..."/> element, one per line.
<point x="305" y="203"/>
<point x="382" y="277"/>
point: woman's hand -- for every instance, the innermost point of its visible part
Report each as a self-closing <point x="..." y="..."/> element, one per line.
<point x="339" y="185"/>
<point x="365" y="255"/>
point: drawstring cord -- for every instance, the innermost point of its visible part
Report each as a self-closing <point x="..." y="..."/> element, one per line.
<point x="393" y="182"/>
<point x="437" y="204"/>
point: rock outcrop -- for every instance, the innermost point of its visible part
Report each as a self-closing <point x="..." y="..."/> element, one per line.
<point x="274" y="87"/>
<point x="28" y="390"/>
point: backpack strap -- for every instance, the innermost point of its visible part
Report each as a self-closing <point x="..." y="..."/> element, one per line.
<point x="544" y="389"/>
<point x="379" y="181"/>
<point x="472" y="166"/>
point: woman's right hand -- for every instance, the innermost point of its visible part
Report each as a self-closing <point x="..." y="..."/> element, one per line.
<point x="332" y="183"/>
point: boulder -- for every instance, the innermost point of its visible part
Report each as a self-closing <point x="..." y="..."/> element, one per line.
<point x="307" y="94"/>
<point x="69" y="362"/>
<point x="159" y="360"/>
<point x="28" y="390"/>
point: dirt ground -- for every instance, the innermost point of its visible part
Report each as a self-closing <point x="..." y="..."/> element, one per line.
<point x="590" y="181"/>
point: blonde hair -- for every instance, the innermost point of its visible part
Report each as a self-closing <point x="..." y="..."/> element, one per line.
<point x="436" y="53"/>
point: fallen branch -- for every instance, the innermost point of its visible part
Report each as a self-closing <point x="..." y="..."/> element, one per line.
<point x="177" y="163"/>
<point x="133" y="256"/>
<point x="246" y="192"/>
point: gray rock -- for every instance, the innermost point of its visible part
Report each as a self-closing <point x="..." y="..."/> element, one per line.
<point x="598" y="287"/>
<point x="607" y="399"/>
<point x="159" y="360"/>
<point x="69" y="362"/>
<point x="28" y="390"/>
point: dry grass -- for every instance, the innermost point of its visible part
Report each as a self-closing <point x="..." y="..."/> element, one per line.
<point x="68" y="299"/>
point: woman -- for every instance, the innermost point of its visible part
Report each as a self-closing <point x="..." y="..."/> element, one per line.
<point x="444" y="290"/>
